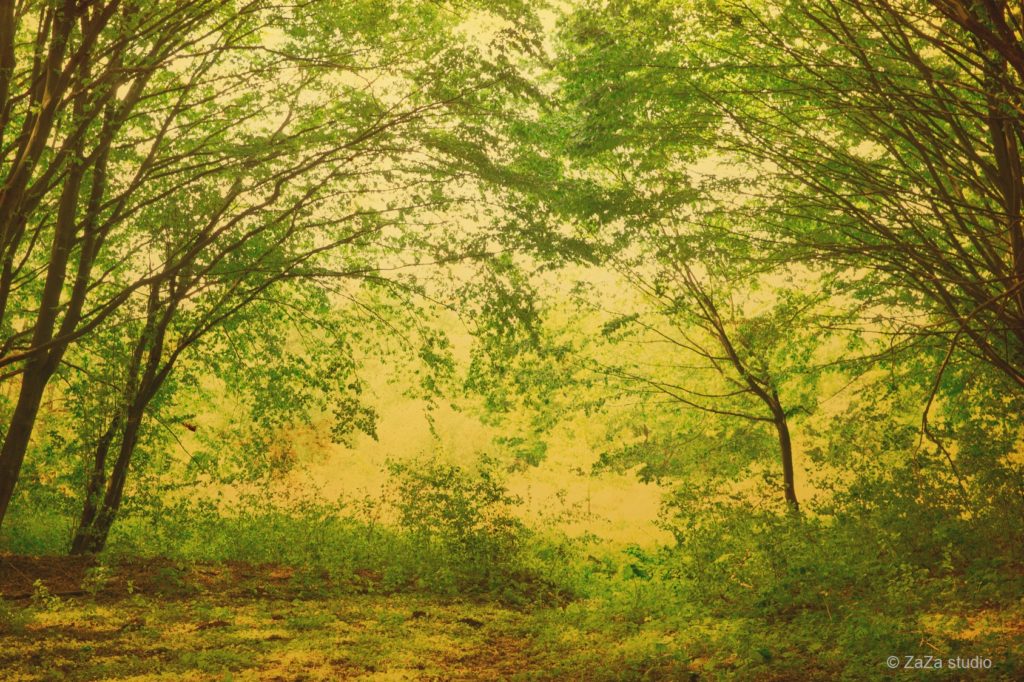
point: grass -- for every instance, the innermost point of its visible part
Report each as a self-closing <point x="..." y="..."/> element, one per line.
<point x="225" y="635"/>
<point x="358" y="637"/>
<point x="155" y="619"/>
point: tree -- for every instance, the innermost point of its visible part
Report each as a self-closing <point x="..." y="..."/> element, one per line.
<point x="107" y="88"/>
<point x="874" y="142"/>
<point x="287" y="142"/>
<point x="727" y="342"/>
<point x="880" y="137"/>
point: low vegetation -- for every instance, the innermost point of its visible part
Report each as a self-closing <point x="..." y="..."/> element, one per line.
<point x="464" y="590"/>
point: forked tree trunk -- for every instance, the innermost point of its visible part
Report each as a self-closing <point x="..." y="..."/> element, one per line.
<point x="94" y="491"/>
<point x="44" y="361"/>
<point x="91" y="536"/>
<point x="142" y="385"/>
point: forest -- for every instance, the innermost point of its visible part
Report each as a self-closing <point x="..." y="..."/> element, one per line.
<point x="511" y="340"/>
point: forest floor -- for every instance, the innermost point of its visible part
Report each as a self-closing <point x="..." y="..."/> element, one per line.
<point x="64" y="619"/>
<point x="68" y="618"/>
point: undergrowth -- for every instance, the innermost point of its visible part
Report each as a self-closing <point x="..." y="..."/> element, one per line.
<point x="748" y="590"/>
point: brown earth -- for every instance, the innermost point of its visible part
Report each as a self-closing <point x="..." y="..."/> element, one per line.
<point x="64" y="576"/>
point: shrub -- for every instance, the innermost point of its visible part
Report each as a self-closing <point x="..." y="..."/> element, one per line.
<point x="462" y="524"/>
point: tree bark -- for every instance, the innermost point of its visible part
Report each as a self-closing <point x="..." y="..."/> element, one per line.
<point x="94" y="537"/>
<point x="44" y="362"/>
<point x="97" y="519"/>
<point x="93" y="491"/>
<point x="786" y="451"/>
<point x="19" y="431"/>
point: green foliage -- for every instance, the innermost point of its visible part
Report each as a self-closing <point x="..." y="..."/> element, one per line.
<point x="465" y="523"/>
<point x="38" y="526"/>
<point x="42" y="599"/>
<point x="216" y="660"/>
<point x="753" y="593"/>
<point x="454" y="532"/>
<point x="96" y="579"/>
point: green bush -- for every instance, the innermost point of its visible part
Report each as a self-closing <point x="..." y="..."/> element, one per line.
<point x="461" y="525"/>
<point x="889" y="566"/>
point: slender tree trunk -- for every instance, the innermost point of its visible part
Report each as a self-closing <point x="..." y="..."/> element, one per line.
<point x="786" y="451"/>
<point x="46" y="92"/>
<point x="7" y="63"/>
<point x="760" y="387"/>
<point x="96" y="521"/>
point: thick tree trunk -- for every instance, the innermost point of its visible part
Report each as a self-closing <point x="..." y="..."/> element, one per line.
<point x="19" y="432"/>
<point x="44" y="362"/>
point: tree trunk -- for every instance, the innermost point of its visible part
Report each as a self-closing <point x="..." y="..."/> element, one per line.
<point x="94" y="491"/>
<point x="786" y="451"/>
<point x="762" y="387"/>
<point x="19" y="431"/>
<point x="44" y="361"/>
<point x="96" y="521"/>
<point x="94" y="537"/>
